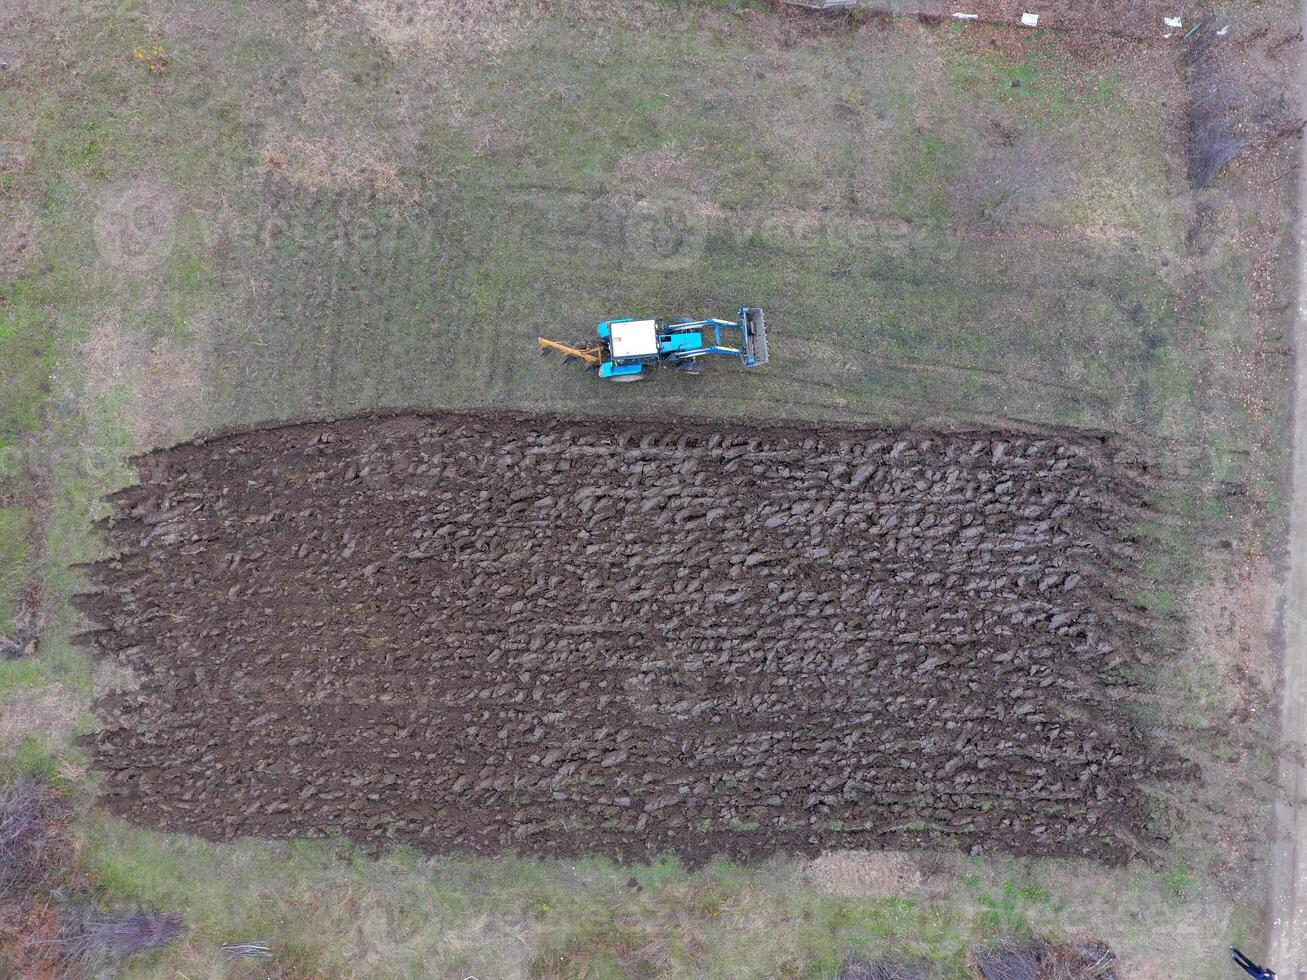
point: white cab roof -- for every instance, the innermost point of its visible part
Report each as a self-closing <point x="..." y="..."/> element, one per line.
<point x="635" y="338"/>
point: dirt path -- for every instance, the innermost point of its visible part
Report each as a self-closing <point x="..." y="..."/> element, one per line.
<point x="1288" y="906"/>
<point x="562" y="636"/>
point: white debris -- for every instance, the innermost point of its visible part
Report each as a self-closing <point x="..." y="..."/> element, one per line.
<point x="966" y="16"/>
<point x="1173" y="21"/>
<point x="1030" y="20"/>
<point x="234" y="951"/>
<point x="1223" y="31"/>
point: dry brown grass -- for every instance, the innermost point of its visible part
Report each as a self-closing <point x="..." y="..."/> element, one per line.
<point x="18" y="226"/>
<point x="864" y="874"/>
<point x="339" y="162"/>
<point x="1131" y="911"/>
<point x="33" y="849"/>
<point x="91" y="939"/>
<point x="52" y="711"/>
<point x="135" y="224"/>
<point x="446" y="29"/>
<point x="1231" y="619"/>
<point x="165" y="380"/>
<point x="1011" y="959"/>
<point x="667" y="166"/>
<point x="17" y="240"/>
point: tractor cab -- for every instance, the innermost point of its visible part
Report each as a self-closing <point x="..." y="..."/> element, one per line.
<point x="634" y="345"/>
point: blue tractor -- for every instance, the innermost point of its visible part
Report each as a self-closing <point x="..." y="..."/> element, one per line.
<point x="631" y="349"/>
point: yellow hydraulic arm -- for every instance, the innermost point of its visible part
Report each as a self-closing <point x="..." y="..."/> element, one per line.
<point x="591" y="355"/>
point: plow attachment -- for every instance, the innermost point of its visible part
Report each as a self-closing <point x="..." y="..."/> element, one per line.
<point x="592" y="356"/>
<point x="755" y="336"/>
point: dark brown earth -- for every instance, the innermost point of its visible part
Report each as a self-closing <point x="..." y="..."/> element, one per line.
<point x="480" y="633"/>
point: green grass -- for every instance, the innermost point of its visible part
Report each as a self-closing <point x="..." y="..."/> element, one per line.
<point x="15" y="675"/>
<point x="38" y="757"/>
<point x="15" y="534"/>
<point x="409" y="916"/>
<point x="27" y="354"/>
<point x="1037" y="84"/>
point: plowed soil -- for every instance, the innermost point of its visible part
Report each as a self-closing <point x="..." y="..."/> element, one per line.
<point x="560" y="636"/>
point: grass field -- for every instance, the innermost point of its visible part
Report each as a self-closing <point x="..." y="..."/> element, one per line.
<point x="311" y="209"/>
